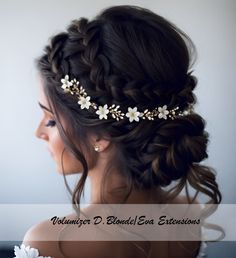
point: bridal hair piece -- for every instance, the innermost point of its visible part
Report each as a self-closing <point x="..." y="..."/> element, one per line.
<point x="74" y="88"/>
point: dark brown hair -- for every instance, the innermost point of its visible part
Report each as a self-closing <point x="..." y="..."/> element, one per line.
<point x="130" y="56"/>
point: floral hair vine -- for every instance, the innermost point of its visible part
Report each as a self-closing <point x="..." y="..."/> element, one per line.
<point x="74" y="88"/>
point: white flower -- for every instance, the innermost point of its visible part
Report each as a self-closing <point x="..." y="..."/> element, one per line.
<point x="84" y="102"/>
<point x="26" y="252"/>
<point x="133" y="114"/>
<point x="66" y="83"/>
<point x="163" y="112"/>
<point x="102" y="112"/>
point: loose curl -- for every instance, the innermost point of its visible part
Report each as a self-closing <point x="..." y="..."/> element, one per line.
<point x="130" y="56"/>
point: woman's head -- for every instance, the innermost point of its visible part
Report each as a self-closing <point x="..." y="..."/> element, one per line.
<point x="131" y="57"/>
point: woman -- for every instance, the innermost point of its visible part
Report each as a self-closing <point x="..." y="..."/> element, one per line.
<point x="117" y="96"/>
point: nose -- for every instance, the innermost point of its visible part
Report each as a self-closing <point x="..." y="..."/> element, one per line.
<point x="39" y="133"/>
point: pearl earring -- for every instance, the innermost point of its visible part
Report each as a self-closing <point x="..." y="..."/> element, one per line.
<point x="97" y="148"/>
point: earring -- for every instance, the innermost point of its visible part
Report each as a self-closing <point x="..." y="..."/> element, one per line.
<point x="97" y="148"/>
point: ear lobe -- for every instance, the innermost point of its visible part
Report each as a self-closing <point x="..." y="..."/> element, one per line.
<point x="102" y="143"/>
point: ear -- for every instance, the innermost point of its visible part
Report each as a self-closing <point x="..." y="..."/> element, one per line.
<point x="102" y="143"/>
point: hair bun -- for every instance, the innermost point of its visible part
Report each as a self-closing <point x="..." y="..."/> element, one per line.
<point x="192" y="148"/>
<point x="180" y="143"/>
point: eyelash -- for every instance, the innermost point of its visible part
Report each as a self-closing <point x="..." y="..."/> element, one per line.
<point x="51" y="123"/>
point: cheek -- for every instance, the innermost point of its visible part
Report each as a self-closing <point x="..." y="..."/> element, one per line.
<point x="56" y="145"/>
<point x="70" y="164"/>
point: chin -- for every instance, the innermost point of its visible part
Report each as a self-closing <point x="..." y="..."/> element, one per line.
<point x="59" y="170"/>
<point x="67" y="171"/>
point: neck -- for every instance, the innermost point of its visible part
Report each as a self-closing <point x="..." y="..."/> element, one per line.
<point x="114" y="190"/>
<point x="114" y="187"/>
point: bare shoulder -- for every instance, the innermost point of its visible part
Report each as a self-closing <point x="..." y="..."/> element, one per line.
<point x="44" y="235"/>
<point x="41" y="236"/>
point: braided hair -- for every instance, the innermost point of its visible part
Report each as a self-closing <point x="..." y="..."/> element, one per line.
<point x="130" y="56"/>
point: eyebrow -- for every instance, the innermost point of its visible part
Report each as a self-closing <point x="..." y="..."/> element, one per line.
<point x="43" y="107"/>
